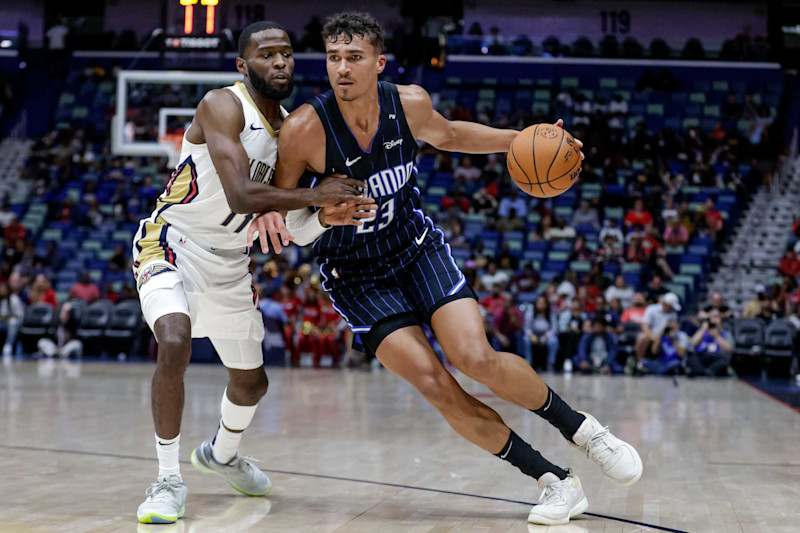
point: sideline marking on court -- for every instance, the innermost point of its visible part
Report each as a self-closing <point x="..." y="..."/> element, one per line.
<point x="338" y="478"/>
<point x="771" y="396"/>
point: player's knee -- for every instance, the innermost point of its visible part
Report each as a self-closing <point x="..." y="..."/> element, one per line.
<point x="480" y="363"/>
<point x="174" y="350"/>
<point x="437" y="389"/>
<point x="251" y="386"/>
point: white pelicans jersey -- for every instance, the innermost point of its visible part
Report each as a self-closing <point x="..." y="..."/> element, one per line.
<point x="194" y="202"/>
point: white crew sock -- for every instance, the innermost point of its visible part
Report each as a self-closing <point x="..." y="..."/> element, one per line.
<point x="235" y="419"/>
<point x="168" y="451"/>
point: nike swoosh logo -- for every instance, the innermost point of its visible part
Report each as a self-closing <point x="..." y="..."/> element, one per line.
<point x="351" y="163"/>
<point x="255" y="129"/>
<point x="421" y="238"/>
<point x="509" y="450"/>
<point x="167" y="443"/>
<point x="549" y="401"/>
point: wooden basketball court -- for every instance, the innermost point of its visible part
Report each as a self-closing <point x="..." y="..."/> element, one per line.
<point x="362" y="452"/>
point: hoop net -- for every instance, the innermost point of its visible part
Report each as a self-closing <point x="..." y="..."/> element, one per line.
<point x="172" y="144"/>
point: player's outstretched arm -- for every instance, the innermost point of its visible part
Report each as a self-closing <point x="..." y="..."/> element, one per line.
<point x="430" y="126"/>
<point x="221" y="120"/>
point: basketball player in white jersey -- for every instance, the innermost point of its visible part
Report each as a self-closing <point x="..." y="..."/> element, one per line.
<point x="191" y="262"/>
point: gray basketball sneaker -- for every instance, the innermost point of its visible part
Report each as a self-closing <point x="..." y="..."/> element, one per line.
<point x="239" y="472"/>
<point x="165" y="503"/>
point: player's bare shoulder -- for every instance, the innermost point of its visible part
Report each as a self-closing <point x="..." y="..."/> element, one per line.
<point x="303" y="136"/>
<point x="417" y="106"/>
<point x="219" y="109"/>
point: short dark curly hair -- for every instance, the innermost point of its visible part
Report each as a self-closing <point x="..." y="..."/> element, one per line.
<point x="350" y="24"/>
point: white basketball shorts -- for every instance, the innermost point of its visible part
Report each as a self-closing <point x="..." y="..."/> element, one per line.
<point x="213" y="287"/>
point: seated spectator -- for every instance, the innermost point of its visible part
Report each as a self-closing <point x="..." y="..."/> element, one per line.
<point x="14" y="230"/>
<point x="675" y="234"/>
<point x="638" y="215"/>
<point x="495" y="302"/>
<point x="42" y="292"/>
<point x="525" y="282"/>
<point x="598" y="350"/>
<point x="567" y="287"/>
<point x="63" y="342"/>
<point x="669" y="210"/>
<point x="85" y="289"/>
<point x="571" y="323"/>
<point x="507" y="328"/>
<point x="656" y="289"/>
<point x="712" y="345"/>
<point x="637" y="253"/>
<point x="585" y="216"/>
<point x="753" y="307"/>
<point x="12" y="311"/>
<point x="119" y="261"/>
<point x="718" y="304"/>
<point x="713" y="219"/>
<point x="6" y="214"/>
<point x="541" y="332"/>
<point x="484" y="203"/>
<point x="611" y="251"/>
<point x="493" y="277"/>
<point x="668" y="349"/>
<point x="790" y="264"/>
<point x="767" y="314"/>
<point x="621" y="291"/>
<point x="611" y="229"/>
<point x="562" y="232"/>
<point x="580" y="250"/>
<point x="513" y="201"/>
<point x="635" y="313"/>
<point x="655" y="319"/>
<point x="610" y="318"/>
<point x="466" y="171"/>
<point x="510" y="223"/>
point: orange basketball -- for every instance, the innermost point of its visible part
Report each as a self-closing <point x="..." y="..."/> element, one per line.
<point x="544" y="160"/>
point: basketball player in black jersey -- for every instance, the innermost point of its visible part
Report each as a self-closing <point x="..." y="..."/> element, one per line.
<point x="389" y="275"/>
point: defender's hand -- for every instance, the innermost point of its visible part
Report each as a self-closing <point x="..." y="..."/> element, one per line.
<point x="560" y="124"/>
<point x="271" y="224"/>
<point x="338" y="189"/>
<point x="349" y="214"/>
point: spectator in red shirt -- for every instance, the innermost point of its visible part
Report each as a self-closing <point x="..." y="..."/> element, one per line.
<point x="790" y="264"/>
<point x="638" y="216"/>
<point x="494" y="302"/>
<point x="713" y="218"/>
<point x="635" y="313"/>
<point x="42" y="291"/>
<point x="508" y="327"/>
<point x="85" y="290"/>
<point x="14" y="230"/>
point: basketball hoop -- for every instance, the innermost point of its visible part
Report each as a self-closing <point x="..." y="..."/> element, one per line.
<point x="172" y="143"/>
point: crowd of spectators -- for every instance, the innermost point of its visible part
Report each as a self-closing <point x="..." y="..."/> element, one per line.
<point x="574" y="319"/>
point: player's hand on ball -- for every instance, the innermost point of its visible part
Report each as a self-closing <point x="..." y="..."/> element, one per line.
<point x="337" y="189"/>
<point x="560" y="124"/>
<point x="349" y="214"/>
<point x="271" y="224"/>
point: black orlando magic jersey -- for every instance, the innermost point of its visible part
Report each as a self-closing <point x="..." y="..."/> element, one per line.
<point x="389" y="169"/>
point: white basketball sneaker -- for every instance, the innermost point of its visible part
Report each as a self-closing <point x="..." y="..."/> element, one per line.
<point x="561" y="499"/>
<point x="616" y="458"/>
<point x="165" y="503"/>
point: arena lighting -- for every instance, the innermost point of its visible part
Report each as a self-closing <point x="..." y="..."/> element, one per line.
<point x="210" y="14"/>
<point x="188" y="15"/>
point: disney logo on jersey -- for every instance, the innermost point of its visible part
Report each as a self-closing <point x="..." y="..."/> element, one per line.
<point x="388" y="145"/>
<point x="261" y="172"/>
<point x="387" y="182"/>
